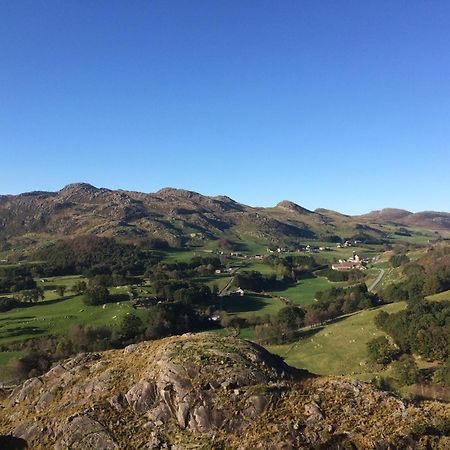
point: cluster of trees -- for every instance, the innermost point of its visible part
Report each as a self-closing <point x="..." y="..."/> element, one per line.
<point x="30" y="295"/>
<point x="20" y="298"/>
<point x="382" y="351"/>
<point x="402" y="231"/>
<point x="185" y="292"/>
<point x="420" y="281"/>
<point x="278" y="329"/>
<point x="442" y="374"/>
<point x="281" y="328"/>
<point x="423" y="329"/>
<point x="340" y="300"/>
<point x="255" y="281"/>
<point x="165" y="319"/>
<point x="7" y="303"/>
<point x="227" y="244"/>
<point x="293" y="267"/>
<point x="198" y="266"/>
<point x="96" y="294"/>
<point x="91" y="255"/>
<point x="398" y="260"/>
<point x="155" y="244"/>
<point x="14" y="279"/>
<point x="351" y="276"/>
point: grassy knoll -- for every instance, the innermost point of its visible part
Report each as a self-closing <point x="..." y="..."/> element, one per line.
<point x="338" y="348"/>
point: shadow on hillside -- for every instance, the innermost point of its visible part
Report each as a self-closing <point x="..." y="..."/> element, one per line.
<point x="12" y="443"/>
<point x="10" y="319"/>
<point x="119" y="298"/>
<point x="54" y="301"/>
<point x="306" y="276"/>
<point x="50" y="287"/>
<point x="20" y="331"/>
<point x="236" y="305"/>
<point x="283" y="285"/>
<point x="305" y="334"/>
<point x="429" y="391"/>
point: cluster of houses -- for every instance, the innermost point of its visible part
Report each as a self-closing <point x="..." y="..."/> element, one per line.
<point x="354" y="262"/>
<point x="301" y="248"/>
<point x="227" y="271"/>
<point x="277" y="250"/>
<point x="349" y="244"/>
<point x="232" y="293"/>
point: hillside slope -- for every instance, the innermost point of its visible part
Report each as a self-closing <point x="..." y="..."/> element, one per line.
<point x="205" y="391"/>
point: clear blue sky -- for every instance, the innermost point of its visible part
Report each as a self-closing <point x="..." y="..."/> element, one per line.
<point x="336" y="104"/>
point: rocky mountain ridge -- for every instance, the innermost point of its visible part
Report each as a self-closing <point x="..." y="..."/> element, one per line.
<point x="209" y="392"/>
<point x="179" y="215"/>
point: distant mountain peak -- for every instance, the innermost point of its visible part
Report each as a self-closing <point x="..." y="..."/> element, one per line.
<point x="170" y="191"/>
<point x="77" y="187"/>
<point x="389" y="214"/>
<point x="291" y="206"/>
<point x="80" y="192"/>
<point x="330" y="212"/>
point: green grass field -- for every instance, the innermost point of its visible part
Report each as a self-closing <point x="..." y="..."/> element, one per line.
<point x="50" y="284"/>
<point x="251" y="305"/>
<point x="219" y="280"/>
<point x="304" y="291"/>
<point x="55" y="317"/>
<point x="6" y="356"/>
<point x="171" y="256"/>
<point x="338" y="348"/>
<point x="440" y="297"/>
<point x="265" y="269"/>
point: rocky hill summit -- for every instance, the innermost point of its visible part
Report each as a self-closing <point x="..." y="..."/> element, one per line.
<point x="205" y="391"/>
<point x="291" y="206"/>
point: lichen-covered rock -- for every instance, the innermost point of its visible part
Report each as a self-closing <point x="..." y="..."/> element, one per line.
<point x="141" y="396"/>
<point x="206" y="391"/>
<point x="24" y="391"/>
<point x="82" y="433"/>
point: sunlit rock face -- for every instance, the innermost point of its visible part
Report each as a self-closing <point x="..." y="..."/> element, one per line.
<point x="202" y="391"/>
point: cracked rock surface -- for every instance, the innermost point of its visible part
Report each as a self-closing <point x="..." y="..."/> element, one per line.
<point x="206" y="391"/>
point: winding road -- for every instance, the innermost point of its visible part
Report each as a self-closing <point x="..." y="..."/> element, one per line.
<point x="376" y="281"/>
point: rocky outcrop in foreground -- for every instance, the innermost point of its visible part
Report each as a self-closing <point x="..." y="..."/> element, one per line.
<point x="205" y="391"/>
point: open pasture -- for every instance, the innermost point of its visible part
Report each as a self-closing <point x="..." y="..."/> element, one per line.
<point x="338" y="348"/>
